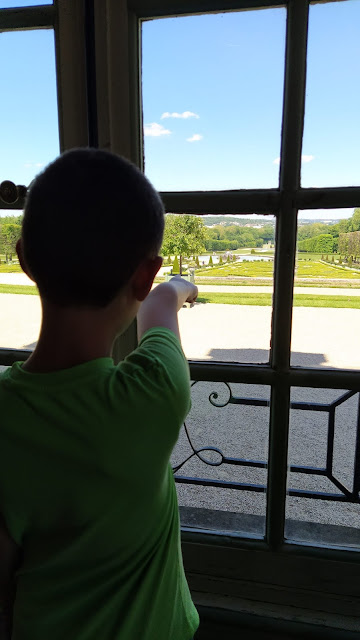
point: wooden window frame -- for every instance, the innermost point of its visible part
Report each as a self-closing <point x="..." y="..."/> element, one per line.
<point x="273" y="577"/>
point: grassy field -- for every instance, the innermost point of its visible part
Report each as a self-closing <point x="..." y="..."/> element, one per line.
<point x="245" y="269"/>
<point x="22" y="289"/>
<point x="309" y="269"/>
<point x="265" y="300"/>
<point x="10" y="268"/>
<point x="253" y="299"/>
<point x="319" y="284"/>
<point x="321" y="270"/>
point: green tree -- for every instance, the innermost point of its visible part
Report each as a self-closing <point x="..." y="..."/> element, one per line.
<point x="355" y="219"/>
<point x="210" y="263"/>
<point x="9" y="235"/>
<point x="220" y="259"/>
<point x="184" y="235"/>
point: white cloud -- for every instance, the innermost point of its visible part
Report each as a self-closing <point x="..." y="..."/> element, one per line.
<point x="155" y="130"/>
<point x="304" y="158"/>
<point x="185" y="115"/>
<point x="194" y="138"/>
<point x="30" y="165"/>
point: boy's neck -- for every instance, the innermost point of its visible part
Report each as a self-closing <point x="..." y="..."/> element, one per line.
<point x="70" y="337"/>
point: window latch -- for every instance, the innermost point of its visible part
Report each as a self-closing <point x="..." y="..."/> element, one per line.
<point x="10" y="192"/>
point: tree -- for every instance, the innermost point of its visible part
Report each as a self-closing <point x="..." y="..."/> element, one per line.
<point x="184" y="235"/>
<point x="210" y="263"/>
<point x="9" y="235"/>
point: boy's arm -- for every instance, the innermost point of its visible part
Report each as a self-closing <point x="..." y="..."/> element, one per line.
<point x="9" y="562"/>
<point x="161" y="306"/>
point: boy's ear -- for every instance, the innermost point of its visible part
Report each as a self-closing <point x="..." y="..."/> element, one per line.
<point x="143" y="277"/>
<point x="20" y="255"/>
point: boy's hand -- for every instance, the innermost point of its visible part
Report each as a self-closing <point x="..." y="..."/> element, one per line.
<point x="184" y="288"/>
<point x="160" y="307"/>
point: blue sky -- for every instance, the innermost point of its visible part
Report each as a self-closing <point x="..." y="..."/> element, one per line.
<point x="212" y="100"/>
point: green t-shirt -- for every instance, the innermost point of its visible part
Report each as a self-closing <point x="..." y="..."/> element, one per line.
<point x="87" y="491"/>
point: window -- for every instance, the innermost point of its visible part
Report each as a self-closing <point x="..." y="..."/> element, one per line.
<point x="267" y="557"/>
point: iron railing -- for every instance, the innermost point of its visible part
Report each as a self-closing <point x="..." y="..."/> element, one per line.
<point x="345" y="494"/>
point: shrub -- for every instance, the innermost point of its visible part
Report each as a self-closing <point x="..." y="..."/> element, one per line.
<point x="210" y="263"/>
<point x="252" y="251"/>
<point x="176" y="266"/>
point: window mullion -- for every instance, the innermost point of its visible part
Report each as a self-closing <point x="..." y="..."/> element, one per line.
<point x="285" y="247"/>
<point x="27" y="18"/>
<point x="71" y="78"/>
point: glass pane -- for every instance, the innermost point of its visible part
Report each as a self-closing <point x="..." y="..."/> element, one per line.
<point x="29" y="140"/>
<point x="20" y="310"/>
<point x="28" y="108"/>
<point x="231" y="259"/>
<point x="326" y="314"/>
<point x="324" y="480"/>
<point x="6" y="4"/>
<point x="212" y="100"/>
<point x="237" y="467"/>
<point x="332" y="130"/>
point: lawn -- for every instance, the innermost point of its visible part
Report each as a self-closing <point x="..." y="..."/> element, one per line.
<point x="30" y="290"/>
<point x="321" y="270"/>
<point x="245" y="269"/>
<point x="10" y="268"/>
<point x="305" y="269"/>
<point x="265" y="300"/>
<point x="253" y="299"/>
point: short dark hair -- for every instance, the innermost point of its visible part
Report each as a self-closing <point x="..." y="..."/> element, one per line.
<point x="90" y="218"/>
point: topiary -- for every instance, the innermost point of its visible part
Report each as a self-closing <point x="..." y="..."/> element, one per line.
<point x="210" y="263"/>
<point x="176" y="266"/>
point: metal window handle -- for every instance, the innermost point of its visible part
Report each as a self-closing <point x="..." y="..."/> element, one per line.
<point x="10" y="192"/>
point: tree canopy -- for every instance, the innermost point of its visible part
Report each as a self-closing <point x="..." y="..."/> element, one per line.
<point x="184" y="235"/>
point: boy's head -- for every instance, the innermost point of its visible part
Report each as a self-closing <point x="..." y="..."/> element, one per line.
<point x="90" y="219"/>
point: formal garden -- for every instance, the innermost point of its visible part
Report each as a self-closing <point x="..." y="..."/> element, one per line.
<point x="235" y="253"/>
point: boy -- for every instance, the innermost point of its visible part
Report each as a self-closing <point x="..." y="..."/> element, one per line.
<point x="87" y="496"/>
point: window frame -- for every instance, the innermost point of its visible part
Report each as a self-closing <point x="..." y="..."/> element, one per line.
<point x="230" y="572"/>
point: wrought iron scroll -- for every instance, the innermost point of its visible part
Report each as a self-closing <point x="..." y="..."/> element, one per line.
<point x="345" y="494"/>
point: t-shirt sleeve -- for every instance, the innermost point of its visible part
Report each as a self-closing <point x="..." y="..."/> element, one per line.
<point x="157" y="379"/>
